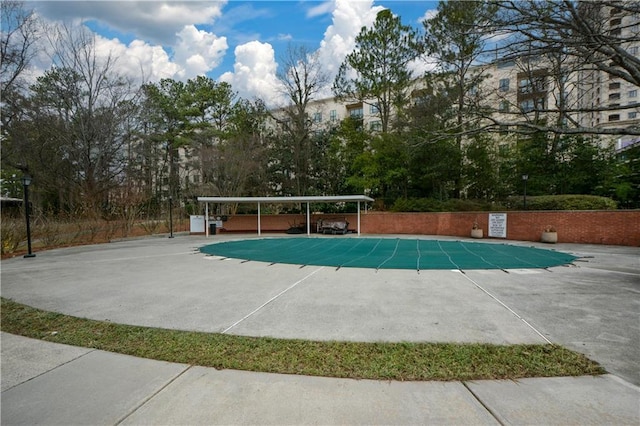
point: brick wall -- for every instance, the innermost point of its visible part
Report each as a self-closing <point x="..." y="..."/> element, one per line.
<point x="616" y="227"/>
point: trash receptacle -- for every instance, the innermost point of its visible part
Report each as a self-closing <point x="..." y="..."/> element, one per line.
<point x="212" y="229"/>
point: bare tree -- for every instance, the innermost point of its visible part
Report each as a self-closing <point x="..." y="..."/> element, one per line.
<point x="20" y="32"/>
<point x="75" y="136"/>
<point x="302" y="79"/>
<point x="576" y="42"/>
<point x="581" y="29"/>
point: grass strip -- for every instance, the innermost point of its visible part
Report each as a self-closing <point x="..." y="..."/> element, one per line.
<point x="380" y="361"/>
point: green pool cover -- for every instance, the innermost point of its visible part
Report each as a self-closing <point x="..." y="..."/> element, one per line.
<point x="388" y="253"/>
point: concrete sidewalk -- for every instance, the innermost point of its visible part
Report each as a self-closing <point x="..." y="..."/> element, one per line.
<point x="593" y="307"/>
<point x="48" y="383"/>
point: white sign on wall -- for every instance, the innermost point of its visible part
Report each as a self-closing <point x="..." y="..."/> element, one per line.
<point x="498" y="225"/>
<point x="196" y="224"/>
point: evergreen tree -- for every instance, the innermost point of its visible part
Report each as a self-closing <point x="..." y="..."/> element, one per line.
<point x="377" y="72"/>
<point x="455" y="39"/>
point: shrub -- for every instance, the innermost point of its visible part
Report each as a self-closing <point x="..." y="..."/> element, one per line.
<point x="13" y="232"/>
<point x="541" y="202"/>
<point x="93" y="227"/>
<point x="150" y="226"/>
<point x="50" y="232"/>
<point x="451" y="205"/>
<point x="564" y="202"/>
<point x="416" y="205"/>
<point x="460" y="205"/>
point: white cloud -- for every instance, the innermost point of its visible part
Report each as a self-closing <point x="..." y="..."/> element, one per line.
<point x="158" y="27"/>
<point x="198" y="52"/>
<point x="339" y="39"/>
<point x="321" y="9"/>
<point x="428" y="15"/>
<point x="285" y="37"/>
<point x="421" y="65"/>
<point x="153" y="21"/>
<point x="254" y="73"/>
<point x="255" y="68"/>
<point x="138" y="60"/>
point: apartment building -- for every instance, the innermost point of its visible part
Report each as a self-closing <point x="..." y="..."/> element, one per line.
<point x="534" y="87"/>
<point x="329" y="112"/>
<point x="569" y="94"/>
<point x="519" y="91"/>
<point x="620" y="96"/>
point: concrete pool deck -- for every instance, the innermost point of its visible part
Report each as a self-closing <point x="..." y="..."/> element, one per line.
<point x="591" y="307"/>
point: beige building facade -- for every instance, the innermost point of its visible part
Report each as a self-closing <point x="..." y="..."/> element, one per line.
<point x="531" y="88"/>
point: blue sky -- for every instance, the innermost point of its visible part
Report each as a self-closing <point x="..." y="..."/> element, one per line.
<point x="240" y="42"/>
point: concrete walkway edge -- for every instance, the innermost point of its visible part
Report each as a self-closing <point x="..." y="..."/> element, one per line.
<point x="60" y="384"/>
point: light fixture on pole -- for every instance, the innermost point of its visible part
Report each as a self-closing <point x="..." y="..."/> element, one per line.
<point x="26" y="181"/>
<point x="170" y="216"/>
<point x="525" y="178"/>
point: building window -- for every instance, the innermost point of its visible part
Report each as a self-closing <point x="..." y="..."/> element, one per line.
<point x="614" y="117"/>
<point x="375" y="126"/>
<point x="615" y="32"/>
<point x="196" y="178"/>
<point x="634" y="50"/>
<point x="531" y="104"/>
<point x="373" y="109"/>
<point x="632" y="115"/>
<point x="356" y="112"/>
<point x="531" y="85"/>
<point x="614" y="86"/>
<point x="524" y="85"/>
<point x="614" y="96"/>
<point x="503" y="106"/>
<point x="333" y="115"/>
<point x="317" y="117"/>
<point x="633" y="93"/>
<point x="527" y="105"/>
<point x="615" y="22"/>
<point x="504" y="85"/>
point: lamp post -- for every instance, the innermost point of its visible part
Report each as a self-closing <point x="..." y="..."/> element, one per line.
<point x="170" y="216"/>
<point x="525" y="178"/>
<point x="26" y="181"/>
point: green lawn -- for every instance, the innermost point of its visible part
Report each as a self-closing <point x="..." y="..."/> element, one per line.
<point x="382" y="361"/>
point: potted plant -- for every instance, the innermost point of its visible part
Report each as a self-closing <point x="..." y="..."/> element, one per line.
<point x="549" y="235"/>
<point x="476" y="231"/>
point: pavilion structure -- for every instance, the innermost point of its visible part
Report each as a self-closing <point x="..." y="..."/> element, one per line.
<point x="294" y="200"/>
